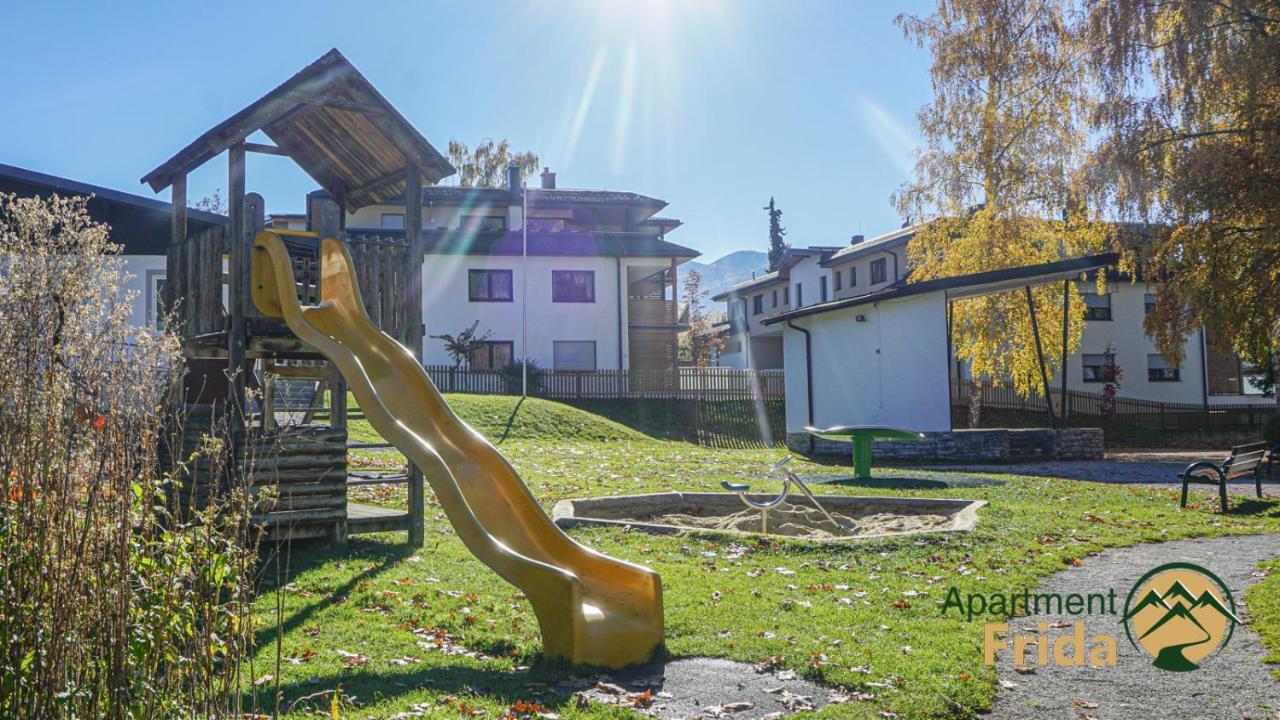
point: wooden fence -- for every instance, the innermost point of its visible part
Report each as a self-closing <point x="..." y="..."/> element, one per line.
<point x="1084" y="408"/>
<point x="683" y="383"/>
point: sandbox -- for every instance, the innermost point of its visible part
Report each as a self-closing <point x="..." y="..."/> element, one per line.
<point x="860" y="517"/>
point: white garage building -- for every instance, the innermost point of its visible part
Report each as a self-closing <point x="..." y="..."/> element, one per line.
<point x="883" y="358"/>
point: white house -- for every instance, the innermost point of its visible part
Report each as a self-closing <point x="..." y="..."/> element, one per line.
<point x="597" y="283"/>
<point x="140" y="225"/>
<point x="1114" y="336"/>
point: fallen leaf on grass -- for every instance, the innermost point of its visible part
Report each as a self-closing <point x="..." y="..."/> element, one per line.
<point x="353" y="659"/>
<point x="297" y="657"/>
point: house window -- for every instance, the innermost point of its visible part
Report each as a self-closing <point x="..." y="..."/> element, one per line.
<point x="822" y="289"/>
<point x="1097" y="307"/>
<point x="392" y="221"/>
<point x="877" y="271"/>
<point x="547" y="225"/>
<point x="573" y="286"/>
<point x="757" y="304"/>
<point x="853" y="276"/>
<point x="492" y="354"/>
<point x="799" y="295"/>
<point x="775" y="298"/>
<point x="1158" y="369"/>
<point x="839" y="278"/>
<point x="489" y="285"/>
<point x="786" y="295"/>
<point x="733" y="346"/>
<point x="1099" y="368"/>
<point x="1148" y="303"/>
<point x="573" y="355"/>
<point x="483" y="223"/>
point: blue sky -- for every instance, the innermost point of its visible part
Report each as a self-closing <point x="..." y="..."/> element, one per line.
<point x="712" y="105"/>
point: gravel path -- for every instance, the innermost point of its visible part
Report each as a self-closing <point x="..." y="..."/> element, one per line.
<point x="1231" y="684"/>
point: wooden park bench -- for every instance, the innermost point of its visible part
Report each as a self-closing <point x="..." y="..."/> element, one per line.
<point x="1244" y="461"/>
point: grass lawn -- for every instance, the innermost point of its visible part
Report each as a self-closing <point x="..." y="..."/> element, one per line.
<point x="1264" y="602"/>
<point x="435" y="630"/>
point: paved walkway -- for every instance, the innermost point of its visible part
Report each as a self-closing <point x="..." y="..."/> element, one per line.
<point x="1153" y="469"/>
<point x="1231" y="684"/>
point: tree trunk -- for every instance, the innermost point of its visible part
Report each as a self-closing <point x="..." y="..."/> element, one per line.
<point x="975" y="404"/>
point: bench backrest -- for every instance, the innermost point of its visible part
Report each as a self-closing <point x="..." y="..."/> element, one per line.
<point x="1245" y="459"/>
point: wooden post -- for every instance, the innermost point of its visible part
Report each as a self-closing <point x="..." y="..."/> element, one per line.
<point x="238" y="249"/>
<point x="177" y="236"/>
<point x="415" y="331"/>
<point x="1044" y="375"/>
<point x="1066" y="325"/>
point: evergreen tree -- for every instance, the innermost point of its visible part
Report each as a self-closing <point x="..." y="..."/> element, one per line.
<point x="776" y="232"/>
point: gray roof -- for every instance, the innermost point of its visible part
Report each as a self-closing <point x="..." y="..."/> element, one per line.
<point x="547" y="244"/>
<point x="962" y="285"/>
<point x="753" y="284"/>
<point x="140" y="224"/>
<point x="880" y="243"/>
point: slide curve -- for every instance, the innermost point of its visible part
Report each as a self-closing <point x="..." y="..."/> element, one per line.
<point x="591" y="608"/>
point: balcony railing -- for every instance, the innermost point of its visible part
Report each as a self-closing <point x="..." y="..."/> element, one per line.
<point x="650" y="312"/>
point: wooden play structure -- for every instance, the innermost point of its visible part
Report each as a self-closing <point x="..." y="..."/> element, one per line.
<point x="262" y="306"/>
<point x="333" y="124"/>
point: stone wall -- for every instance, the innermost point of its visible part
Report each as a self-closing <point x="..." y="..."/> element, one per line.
<point x="984" y="446"/>
<point x="1079" y="443"/>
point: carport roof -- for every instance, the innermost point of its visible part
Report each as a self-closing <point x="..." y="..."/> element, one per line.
<point x="963" y="286"/>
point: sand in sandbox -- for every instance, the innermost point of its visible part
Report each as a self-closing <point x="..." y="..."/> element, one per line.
<point x="806" y="521"/>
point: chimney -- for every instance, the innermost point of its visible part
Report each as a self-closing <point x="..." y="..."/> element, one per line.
<point x="513" y="181"/>
<point x="855" y="239"/>
<point x="548" y="179"/>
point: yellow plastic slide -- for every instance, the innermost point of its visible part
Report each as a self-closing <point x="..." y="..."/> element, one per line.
<point x="592" y="608"/>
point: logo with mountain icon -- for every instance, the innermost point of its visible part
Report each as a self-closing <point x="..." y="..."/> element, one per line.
<point x="1179" y="614"/>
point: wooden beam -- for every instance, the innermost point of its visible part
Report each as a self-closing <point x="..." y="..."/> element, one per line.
<point x="326" y="101"/>
<point x="387" y="179"/>
<point x="264" y="148"/>
<point x="237" y="251"/>
<point x="177" y="236"/>
<point x="413" y="301"/>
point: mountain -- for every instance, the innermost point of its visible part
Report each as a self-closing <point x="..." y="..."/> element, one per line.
<point x="1178" y="611"/>
<point x="1179" y="591"/>
<point x="1208" y="599"/>
<point x="730" y="270"/>
<point x="1149" y="600"/>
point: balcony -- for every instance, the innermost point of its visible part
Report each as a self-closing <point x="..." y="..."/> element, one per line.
<point x="650" y="312"/>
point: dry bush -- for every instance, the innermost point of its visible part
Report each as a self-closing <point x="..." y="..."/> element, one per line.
<point x="111" y="605"/>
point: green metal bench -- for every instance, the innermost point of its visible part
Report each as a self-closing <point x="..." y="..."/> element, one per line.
<point x="862" y="437"/>
<point x="1244" y="461"/>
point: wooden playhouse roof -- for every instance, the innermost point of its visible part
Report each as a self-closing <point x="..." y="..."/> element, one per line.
<point x="332" y="122"/>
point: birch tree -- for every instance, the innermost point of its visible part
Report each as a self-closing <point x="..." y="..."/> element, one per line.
<point x="996" y="183"/>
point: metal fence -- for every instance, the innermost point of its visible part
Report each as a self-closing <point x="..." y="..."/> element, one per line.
<point x="682" y="383"/>
<point x="1086" y="407"/>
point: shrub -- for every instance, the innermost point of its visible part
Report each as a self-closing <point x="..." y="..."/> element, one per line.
<point x="110" y="606"/>
<point x="513" y="378"/>
<point x="1271" y="431"/>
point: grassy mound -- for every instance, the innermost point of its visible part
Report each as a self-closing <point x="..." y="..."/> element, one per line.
<point x="503" y="417"/>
